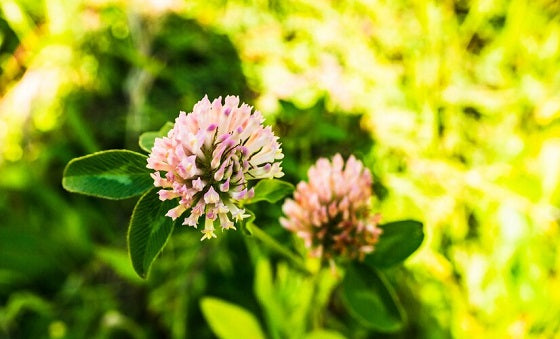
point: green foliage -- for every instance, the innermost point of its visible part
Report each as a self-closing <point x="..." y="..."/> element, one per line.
<point x="115" y="174"/>
<point x="324" y="334"/>
<point x="371" y="300"/>
<point x="148" y="231"/>
<point x="398" y="240"/>
<point x="271" y="190"/>
<point x="19" y="267"/>
<point x="453" y="105"/>
<point x="311" y="132"/>
<point x="229" y="321"/>
<point x="286" y="296"/>
<point x="19" y="303"/>
<point x="119" y="261"/>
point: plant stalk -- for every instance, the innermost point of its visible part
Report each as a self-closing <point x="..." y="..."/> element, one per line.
<point x="279" y="248"/>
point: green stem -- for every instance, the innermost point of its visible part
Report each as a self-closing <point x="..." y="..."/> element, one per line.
<point x="315" y="312"/>
<point x="280" y="249"/>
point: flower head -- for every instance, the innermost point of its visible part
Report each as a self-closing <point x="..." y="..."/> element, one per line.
<point x="331" y="212"/>
<point x="207" y="158"/>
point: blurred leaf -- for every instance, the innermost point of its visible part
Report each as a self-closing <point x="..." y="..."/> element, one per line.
<point x="370" y="299"/>
<point x="263" y="281"/>
<point x="18" y="19"/>
<point x="24" y="256"/>
<point x="14" y="176"/>
<point x="271" y="190"/>
<point x="267" y="296"/>
<point x="229" y="321"/>
<point x="149" y="231"/>
<point x="331" y="131"/>
<point x="114" y="174"/>
<point x="119" y="261"/>
<point x="147" y="139"/>
<point x="398" y="241"/>
<point x="20" y="302"/>
<point x="324" y="334"/>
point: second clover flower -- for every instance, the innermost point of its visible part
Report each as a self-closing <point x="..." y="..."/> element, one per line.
<point x="208" y="157"/>
<point x="332" y="212"/>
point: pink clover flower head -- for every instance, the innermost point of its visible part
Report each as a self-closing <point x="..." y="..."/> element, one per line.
<point x="331" y="212"/>
<point x="208" y="157"/>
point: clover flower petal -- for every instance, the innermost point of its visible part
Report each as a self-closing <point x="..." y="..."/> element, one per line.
<point x="207" y="159"/>
<point x="331" y="212"/>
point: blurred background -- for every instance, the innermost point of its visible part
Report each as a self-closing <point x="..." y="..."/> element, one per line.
<point x="454" y="106"/>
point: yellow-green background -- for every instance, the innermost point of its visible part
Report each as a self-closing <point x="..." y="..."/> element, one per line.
<point x="454" y="105"/>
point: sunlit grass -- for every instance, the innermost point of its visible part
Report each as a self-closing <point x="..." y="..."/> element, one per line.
<point x="461" y="99"/>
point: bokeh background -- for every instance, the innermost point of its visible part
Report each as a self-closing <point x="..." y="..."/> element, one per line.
<point x="454" y="105"/>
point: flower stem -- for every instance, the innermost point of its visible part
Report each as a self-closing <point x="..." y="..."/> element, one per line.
<point x="279" y="248"/>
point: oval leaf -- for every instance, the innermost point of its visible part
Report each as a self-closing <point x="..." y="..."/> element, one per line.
<point x="118" y="260"/>
<point x="324" y="334"/>
<point x="371" y="300"/>
<point x="271" y="190"/>
<point x="229" y="321"/>
<point x="398" y="241"/>
<point x="146" y="140"/>
<point x="148" y="231"/>
<point x="114" y="174"/>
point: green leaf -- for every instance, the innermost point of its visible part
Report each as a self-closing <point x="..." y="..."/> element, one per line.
<point x="119" y="261"/>
<point x="114" y="174"/>
<point x="324" y="334"/>
<point x="23" y="302"/>
<point x="263" y="285"/>
<point x="371" y="300"/>
<point x="229" y="321"/>
<point x="146" y="140"/>
<point x="271" y="190"/>
<point x="148" y="231"/>
<point x="398" y="241"/>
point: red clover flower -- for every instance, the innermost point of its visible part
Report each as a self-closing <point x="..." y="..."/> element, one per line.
<point x="207" y="158"/>
<point x="332" y="212"/>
